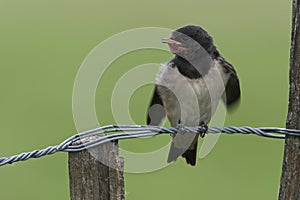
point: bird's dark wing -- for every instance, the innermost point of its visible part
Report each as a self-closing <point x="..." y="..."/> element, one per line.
<point x="156" y="111"/>
<point x="232" y="89"/>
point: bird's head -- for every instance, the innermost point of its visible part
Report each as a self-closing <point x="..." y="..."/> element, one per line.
<point x="190" y="42"/>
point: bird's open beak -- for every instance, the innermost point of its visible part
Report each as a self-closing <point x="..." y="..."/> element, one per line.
<point x="170" y="41"/>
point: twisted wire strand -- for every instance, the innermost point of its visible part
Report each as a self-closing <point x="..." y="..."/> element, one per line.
<point x="110" y="133"/>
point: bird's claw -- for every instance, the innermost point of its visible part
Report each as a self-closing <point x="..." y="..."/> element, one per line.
<point x="202" y="130"/>
<point x="180" y="128"/>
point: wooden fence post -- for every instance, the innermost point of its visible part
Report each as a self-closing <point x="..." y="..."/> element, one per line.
<point x="96" y="173"/>
<point x="290" y="178"/>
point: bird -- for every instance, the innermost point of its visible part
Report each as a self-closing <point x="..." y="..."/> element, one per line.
<point x="189" y="87"/>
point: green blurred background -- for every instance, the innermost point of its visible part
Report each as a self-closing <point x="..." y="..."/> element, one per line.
<point x="43" y="43"/>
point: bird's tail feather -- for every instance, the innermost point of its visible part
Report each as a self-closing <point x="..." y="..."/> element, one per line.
<point x="189" y="154"/>
<point x="174" y="153"/>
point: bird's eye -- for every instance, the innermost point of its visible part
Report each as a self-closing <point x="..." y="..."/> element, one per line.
<point x="185" y="38"/>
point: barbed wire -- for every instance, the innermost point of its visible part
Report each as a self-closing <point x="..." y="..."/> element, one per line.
<point x="109" y="133"/>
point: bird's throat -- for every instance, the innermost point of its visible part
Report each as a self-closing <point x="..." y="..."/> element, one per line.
<point x="193" y="69"/>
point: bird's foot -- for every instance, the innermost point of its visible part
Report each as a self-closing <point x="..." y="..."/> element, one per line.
<point x="180" y="128"/>
<point x="202" y="130"/>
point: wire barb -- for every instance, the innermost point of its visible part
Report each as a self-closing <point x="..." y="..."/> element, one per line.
<point x="110" y="133"/>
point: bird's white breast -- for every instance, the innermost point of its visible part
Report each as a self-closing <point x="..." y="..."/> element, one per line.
<point x="197" y="98"/>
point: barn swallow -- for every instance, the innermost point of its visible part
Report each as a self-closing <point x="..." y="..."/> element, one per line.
<point x="189" y="87"/>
